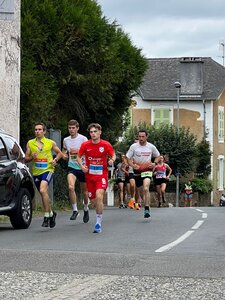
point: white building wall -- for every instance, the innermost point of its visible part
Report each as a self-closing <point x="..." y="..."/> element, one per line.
<point x="10" y="66"/>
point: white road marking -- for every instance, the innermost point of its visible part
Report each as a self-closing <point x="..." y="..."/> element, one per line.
<point x="197" y="224"/>
<point x="176" y="242"/>
<point x="184" y="236"/>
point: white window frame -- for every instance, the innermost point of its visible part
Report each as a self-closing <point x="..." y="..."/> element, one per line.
<point x="220" y="173"/>
<point x="220" y="124"/>
<point x="160" y="107"/>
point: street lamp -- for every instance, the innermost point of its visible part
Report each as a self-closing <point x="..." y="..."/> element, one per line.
<point x="178" y="86"/>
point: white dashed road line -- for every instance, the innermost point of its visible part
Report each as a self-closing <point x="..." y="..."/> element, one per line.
<point x="178" y="241"/>
<point x="184" y="236"/>
<point x="198" y="224"/>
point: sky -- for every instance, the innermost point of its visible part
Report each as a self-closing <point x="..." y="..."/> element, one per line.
<point x="171" y="28"/>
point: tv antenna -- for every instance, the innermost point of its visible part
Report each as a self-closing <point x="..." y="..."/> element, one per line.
<point x="221" y="47"/>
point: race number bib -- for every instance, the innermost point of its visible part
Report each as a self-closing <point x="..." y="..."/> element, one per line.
<point x="41" y="163"/>
<point x="95" y="169"/>
<point x="146" y="174"/>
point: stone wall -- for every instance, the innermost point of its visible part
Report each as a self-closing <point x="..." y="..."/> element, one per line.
<point x="10" y="67"/>
<point x="198" y="200"/>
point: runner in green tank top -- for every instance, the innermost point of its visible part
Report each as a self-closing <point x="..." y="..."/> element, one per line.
<point x="39" y="152"/>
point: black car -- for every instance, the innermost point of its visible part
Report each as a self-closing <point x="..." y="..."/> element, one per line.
<point x="222" y="200"/>
<point x="16" y="183"/>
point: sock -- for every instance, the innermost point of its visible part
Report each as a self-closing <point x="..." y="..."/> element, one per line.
<point x="51" y="214"/>
<point x="85" y="207"/>
<point x="74" y="205"/>
<point x="99" y="219"/>
<point x="46" y="214"/>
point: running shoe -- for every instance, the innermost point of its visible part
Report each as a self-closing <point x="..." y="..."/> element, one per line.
<point x="137" y="206"/>
<point x="74" y="215"/>
<point x="45" y="222"/>
<point x="86" y="216"/>
<point x="52" y="220"/>
<point x="122" y="206"/>
<point x="98" y="228"/>
<point x="131" y="203"/>
<point x="147" y="213"/>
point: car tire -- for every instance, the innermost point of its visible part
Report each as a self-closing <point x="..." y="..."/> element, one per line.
<point x="21" y="217"/>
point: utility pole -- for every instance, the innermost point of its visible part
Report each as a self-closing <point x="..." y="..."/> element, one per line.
<point x="177" y="85"/>
<point x="222" y="47"/>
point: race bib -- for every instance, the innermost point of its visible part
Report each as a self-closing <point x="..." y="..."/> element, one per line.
<point x="96" y="169"/>
<point x="73" y="155"/>
<point x="146" y="174"/>
<point x="41" y="163"/>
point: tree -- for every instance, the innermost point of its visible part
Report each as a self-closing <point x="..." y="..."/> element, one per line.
<point x="75" y="64"/>
<point x="203" y="157"/>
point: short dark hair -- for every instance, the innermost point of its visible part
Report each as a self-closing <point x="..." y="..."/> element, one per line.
<point x="42" y="124"/>
<point x="95" y="125"/>
<point x="73" y="123"/>
<point x="143" y="130"/>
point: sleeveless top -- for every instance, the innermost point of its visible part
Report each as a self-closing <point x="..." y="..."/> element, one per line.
<point x="41" y="163"/>
<point x="160" y="171"/>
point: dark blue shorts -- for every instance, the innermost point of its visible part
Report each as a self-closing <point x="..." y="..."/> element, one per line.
<point x="77" y="173"/>
<point x="47" y="176"/>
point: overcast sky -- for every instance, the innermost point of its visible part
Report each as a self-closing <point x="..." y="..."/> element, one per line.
<point x="171" y="28"/>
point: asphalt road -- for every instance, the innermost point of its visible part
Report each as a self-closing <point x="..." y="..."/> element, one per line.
<point x="178" y="254"/>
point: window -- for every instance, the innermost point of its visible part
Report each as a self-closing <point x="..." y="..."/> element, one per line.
<point x="15" y="151"/>
<point x="221" y="124"/>
<point x="161" y="115"/>
<point x="220" y="172"/>
<point x="6" y="9"/>
<point x="3" y="154"/>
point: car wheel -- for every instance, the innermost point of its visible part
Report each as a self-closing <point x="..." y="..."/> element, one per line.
<point x="22" y="216"/>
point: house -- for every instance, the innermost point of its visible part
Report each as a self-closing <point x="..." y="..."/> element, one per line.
<point x="10" y="66"/>
<point x="201" y="100"/>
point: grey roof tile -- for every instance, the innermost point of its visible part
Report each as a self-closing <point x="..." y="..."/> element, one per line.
<point x="200" y="78"/>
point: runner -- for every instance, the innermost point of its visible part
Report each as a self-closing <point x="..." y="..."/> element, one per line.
<point x="71" y="145"/>
<point x="121" y="180"/>
<point x="39" y="152"/>
<point x="161" y="179"/>
<point x="139" y="158"/>
<point x="96" y="152"/>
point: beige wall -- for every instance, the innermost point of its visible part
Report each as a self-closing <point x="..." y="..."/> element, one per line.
<point x="10" y="72"/>
<point x="218" y="148"/>
<point x="188" y="118"/>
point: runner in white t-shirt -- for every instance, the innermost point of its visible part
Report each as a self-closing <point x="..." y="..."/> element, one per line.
<point x="71" y="146"/>
<point x="139" y="157"/>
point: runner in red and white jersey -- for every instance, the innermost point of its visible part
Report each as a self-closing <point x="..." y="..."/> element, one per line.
<point x="98" y="154"/>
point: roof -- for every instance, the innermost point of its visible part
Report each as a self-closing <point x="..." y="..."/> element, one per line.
<point x="201" y="78"/>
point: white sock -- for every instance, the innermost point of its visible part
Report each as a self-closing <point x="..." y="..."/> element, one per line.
<point x="46" y="214"/>
<point x="99" y="219"/>
<point x="85" y="207"/>
<point x="74" y="205"/>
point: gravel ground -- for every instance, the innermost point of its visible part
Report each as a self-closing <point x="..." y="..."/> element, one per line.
<point x="49" y="286"/>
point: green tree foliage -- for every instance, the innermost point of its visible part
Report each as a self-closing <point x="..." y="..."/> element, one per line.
<point x="75" y="64"/>
<point x="180" y="148"/>
<point x="203" y="157"/>
<point x="202" y="185"/>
